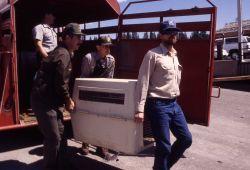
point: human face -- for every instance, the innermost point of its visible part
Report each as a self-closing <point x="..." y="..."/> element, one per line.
<point x="103" y="50"/>
<point x="49" y="19"/>
<point x="169" y="38"/>
<point x="73" y="42"/>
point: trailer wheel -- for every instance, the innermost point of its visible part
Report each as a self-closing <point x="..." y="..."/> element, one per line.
<point x="235" y="55"/>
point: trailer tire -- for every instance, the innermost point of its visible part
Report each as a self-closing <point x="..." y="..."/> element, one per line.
<point x="235" y="55"/>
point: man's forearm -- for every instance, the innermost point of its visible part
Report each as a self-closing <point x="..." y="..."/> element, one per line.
<point x="42" y="52"/>
<point x="40" y="49"/>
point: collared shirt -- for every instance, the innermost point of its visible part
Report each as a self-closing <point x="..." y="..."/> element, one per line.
<point x="89" y="63"/>
<point x="159" y="76"/>
<point x="47" y="35"/>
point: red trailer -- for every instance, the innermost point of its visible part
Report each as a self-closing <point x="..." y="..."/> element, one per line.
<point x="17" y="59"/>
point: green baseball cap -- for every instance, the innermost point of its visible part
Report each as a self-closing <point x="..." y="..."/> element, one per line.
<point x="104" y="40"/>
<point x="72" y="29"/>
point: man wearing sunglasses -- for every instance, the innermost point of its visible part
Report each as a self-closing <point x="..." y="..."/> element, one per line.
<point x="99" y="64"/>
<point x="156" y="93"/>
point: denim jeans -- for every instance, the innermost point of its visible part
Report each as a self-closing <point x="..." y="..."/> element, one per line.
<point x="166" y="115"/>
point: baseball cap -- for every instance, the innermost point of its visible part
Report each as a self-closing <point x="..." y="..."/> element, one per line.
<point x="72" y="29"/>
<point x="104" y="40"/>
<point x="168" y="26"/>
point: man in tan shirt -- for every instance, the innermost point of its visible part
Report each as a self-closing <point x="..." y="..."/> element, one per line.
<point x="156" y="93"/>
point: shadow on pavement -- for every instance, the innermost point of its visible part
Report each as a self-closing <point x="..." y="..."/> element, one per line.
<point x="86" y="163"/>
<point x="149" y="152"/>
<point x="22" y="138"/>
<point x="19" y="138"/>
<point x="242" y="85"/>
<point x="37" y="151"/>
<point x="27" y="137"/>
<point x="16" y="165"/>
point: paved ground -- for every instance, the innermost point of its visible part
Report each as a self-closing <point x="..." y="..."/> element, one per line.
<point x="224" y="145"/>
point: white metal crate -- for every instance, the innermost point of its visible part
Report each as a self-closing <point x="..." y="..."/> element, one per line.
<point x="104" y="114"/>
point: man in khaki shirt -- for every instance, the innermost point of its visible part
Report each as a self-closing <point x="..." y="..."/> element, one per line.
<point x="156" y="92"/>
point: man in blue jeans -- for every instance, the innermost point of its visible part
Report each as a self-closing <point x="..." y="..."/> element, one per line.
<point x="156" y="93"/>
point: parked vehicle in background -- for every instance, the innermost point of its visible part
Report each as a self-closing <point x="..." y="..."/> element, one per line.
<point x="224" y="54"/>
<point x="231" y="45"/>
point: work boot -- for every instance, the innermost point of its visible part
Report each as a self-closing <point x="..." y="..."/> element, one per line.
<point x="85" y="148"/>
<point x="103" y="152"/>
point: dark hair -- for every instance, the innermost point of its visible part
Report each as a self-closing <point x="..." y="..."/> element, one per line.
<point x="44" y="12"/>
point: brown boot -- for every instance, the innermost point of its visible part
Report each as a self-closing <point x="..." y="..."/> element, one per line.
<point x="85" y="148"/>
<point x="103" y="152"/>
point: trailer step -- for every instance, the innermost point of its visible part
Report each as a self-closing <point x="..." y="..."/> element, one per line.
<point x="30" y="118"/>
<point x="234" y="78"/>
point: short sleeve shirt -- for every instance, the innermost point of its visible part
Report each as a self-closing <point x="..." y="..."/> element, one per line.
<point x="47" y="35"/>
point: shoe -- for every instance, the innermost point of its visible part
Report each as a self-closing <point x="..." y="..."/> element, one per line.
<point x="103" y="153"/>
<point x="85" y="148"/>
<point x="183" y="156"/>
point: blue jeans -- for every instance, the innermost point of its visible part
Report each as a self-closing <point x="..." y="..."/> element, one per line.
<point x="166" y="115"/>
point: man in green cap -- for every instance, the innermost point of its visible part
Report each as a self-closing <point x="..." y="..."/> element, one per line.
<point x="99" y="64"/>
<point x="50" y="94"/>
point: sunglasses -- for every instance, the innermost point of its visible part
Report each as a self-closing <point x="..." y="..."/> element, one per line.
<point x="106" y="46"/>
<point x="170" y="33"/>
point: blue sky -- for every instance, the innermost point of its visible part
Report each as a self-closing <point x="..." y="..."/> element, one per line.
<point x="226" y="9"/>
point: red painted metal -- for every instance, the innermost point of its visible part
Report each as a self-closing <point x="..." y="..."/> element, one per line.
<point x="5" y="24"/>
<point x="102" y="30"/>
<point x="9" y="108"/>
<point x="19" y="126"/>
<point x="169" y="13"/>
<point x="194" y="55"/>
<point x="212" y="44"/>
<point x="6" y="113"/>
<point x="14" y="75"/>
<point x="115" y="5"/>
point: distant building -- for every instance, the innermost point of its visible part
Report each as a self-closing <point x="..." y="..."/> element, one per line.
<point x="231" y="29"/>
